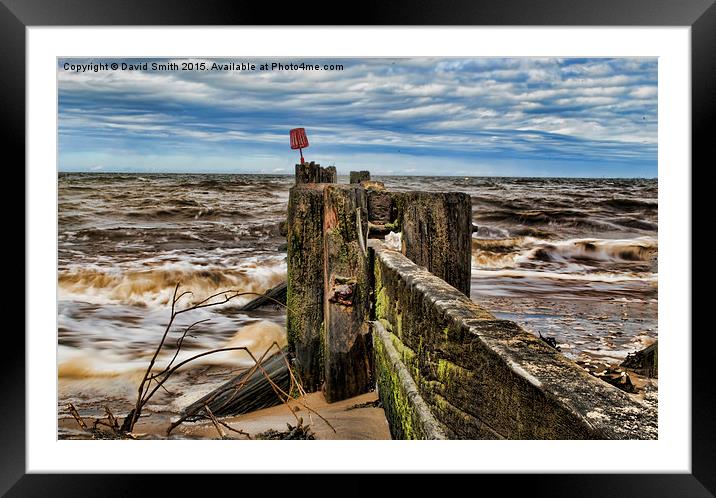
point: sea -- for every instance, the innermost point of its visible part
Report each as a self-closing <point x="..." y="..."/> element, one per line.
<point x="571" y="259"/>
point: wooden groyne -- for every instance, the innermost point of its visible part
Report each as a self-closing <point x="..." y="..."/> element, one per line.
<point x="364" y="315"/>
<point x="483" y="378"/>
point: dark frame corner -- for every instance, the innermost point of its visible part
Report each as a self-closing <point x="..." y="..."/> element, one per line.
<point x="700" y="15"/>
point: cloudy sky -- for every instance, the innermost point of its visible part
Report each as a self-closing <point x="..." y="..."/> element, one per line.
<point x="486" y="116"/>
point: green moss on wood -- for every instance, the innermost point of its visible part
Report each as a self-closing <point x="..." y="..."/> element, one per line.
<point x="381" y="298"/>
<point x="348" y="359"/>
<point x="304" y="293"/>
<point x="448" y="371"/>
<point x="406" y="354"/>
<point x="400" y="412"/>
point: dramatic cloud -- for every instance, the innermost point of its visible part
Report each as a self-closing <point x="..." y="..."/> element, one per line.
<point x="486" y="116"/>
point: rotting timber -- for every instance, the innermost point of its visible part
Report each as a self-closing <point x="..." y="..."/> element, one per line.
<point x="348" y="358"/>
<point x="304" y="292"/>
<point x="361" y="315"/>
<point x="332" y="343"/>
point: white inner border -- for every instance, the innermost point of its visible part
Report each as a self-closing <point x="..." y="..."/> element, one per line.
<point x="671" y="453"/>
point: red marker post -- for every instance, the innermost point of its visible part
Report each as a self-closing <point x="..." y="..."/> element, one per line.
<point x="299" y="140"/>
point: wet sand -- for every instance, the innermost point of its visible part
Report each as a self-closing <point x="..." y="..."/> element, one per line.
<point x="605" y="330"/>
<point x="349" y="421"/>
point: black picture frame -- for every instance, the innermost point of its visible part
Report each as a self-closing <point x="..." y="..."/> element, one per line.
<point x="700" y="15"/>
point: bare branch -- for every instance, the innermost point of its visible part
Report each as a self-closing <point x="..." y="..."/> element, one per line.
<point x="76" y="416"/>
<point x="180" y="342"/>
<point x="238" y="431"/>
<point x="145" y="390"/>
<point x="215" y="422"/>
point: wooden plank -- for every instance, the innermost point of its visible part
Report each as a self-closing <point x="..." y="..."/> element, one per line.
<point x="436" y="233"/>
<point x="348" y="350"/>
<point x="272" y="297"/>
<point x="245" y="392"/>
<point x="304" y="292"/>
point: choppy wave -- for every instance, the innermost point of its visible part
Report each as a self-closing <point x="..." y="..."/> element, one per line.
<point x="638" y="249"/>
<point x="258" y="338"/>
<point x="630" y="203"/>
<point x="511" y="252"/>
<point x="77" y="363"/>
<point x="92" y="363"/>
<point x="591" y="277"/>
<point x="154" y="286"/>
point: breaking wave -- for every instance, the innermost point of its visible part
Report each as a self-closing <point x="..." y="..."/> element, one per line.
<point x="89" y="363"/>
<point x="155" y="286"/>
<point x="510" y="252"/>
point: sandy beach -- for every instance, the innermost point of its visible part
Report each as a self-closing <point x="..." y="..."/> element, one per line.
<point x="352" y="418"/>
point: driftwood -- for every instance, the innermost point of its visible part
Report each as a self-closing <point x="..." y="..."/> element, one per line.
<point x="242" y="395"/>
<point x="300" y="431"/>
<point x="271" y="372"/>
<point x="611" y="374"/>
<point x="551" y="341"/>
<point x="101" y="428"/>
<point x="644" y="362"/>
<point x="276" y="295"/>
<point x="147" y="387"/>
<point x="376" y="403"/>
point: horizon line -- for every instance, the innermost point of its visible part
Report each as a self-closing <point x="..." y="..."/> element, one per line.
<point x="348" y="174"/>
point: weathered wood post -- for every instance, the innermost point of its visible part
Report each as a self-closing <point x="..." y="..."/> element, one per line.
<point x="330" y="287"/>
<point x="347" y="295"/>
<point x="315" y="173"/>
<point x="437" y="234"/>
<point x="359" y="176"/>
<point x="382" y="213"/>
<point x="304" y="293"/>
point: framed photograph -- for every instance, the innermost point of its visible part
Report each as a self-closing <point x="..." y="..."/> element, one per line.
<point x="466" y="226"/>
